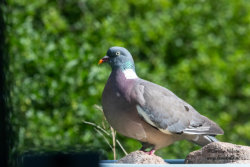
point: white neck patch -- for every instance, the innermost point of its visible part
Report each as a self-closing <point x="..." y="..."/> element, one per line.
<point x="130" y="74"/>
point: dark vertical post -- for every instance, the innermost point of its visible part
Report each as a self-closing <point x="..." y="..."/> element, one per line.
<point x="4" y="143"/>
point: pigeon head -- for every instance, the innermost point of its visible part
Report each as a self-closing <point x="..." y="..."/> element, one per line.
<point x="118" y="58"/>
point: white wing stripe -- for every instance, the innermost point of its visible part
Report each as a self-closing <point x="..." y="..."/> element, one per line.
<point x="143" y="114"/>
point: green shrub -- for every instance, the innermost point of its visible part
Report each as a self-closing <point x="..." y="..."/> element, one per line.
<point x="198" y="49"/>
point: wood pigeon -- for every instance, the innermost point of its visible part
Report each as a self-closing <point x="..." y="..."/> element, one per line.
<point x="148" y="112"/>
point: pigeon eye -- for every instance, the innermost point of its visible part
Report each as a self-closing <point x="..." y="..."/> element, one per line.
<point x="117" y="53"/>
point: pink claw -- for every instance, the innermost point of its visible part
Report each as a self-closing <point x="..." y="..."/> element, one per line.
<point x="151" y="152"/>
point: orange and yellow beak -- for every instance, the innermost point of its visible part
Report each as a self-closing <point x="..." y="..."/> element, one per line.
<point x="100" y="61"/>
<point x="104" y="59"/>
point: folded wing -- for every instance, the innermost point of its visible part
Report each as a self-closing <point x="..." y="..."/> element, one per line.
<point x="165" y="111"/>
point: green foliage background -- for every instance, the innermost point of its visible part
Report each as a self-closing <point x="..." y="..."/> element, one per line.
<point x="198" y="49"/>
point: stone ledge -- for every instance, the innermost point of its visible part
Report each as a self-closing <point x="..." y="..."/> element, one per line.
<point x="219" y="152"/>
<point x="139" y="157"/>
